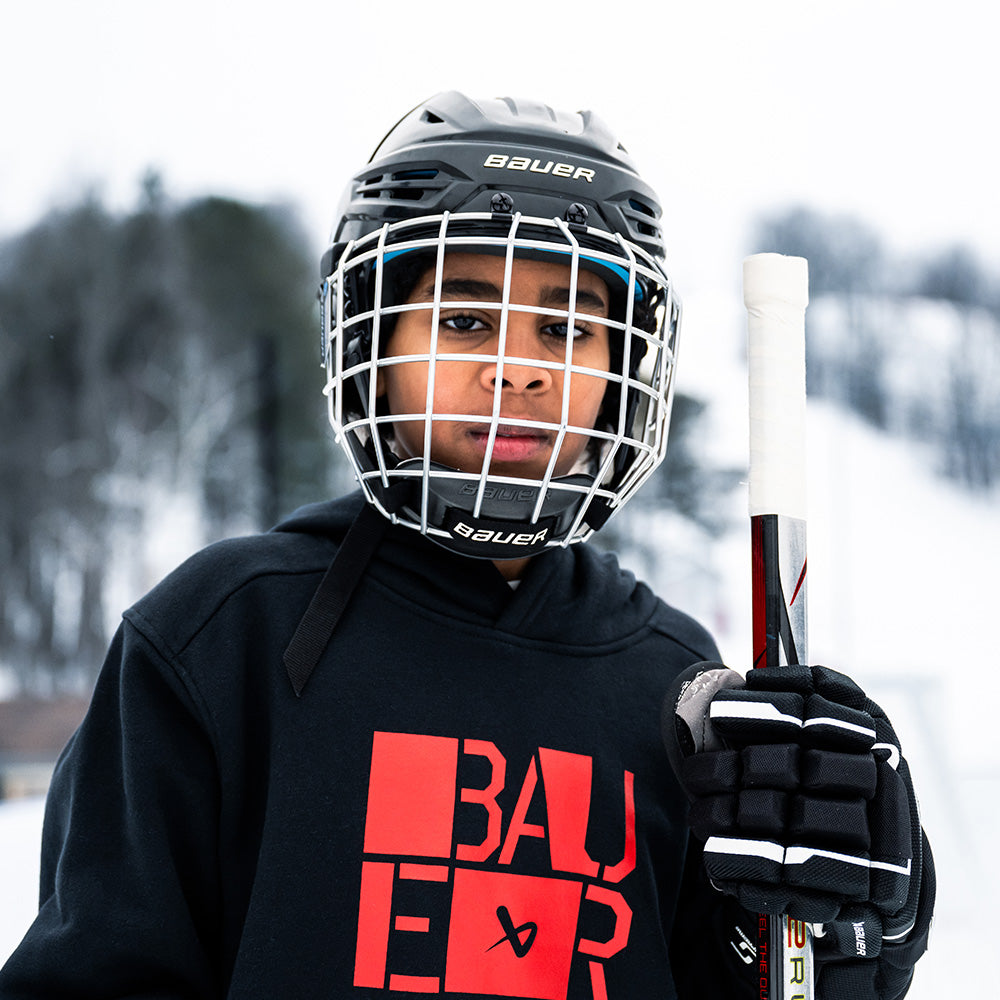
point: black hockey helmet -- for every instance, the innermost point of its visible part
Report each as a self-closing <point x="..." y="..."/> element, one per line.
<point x="453" y="154"/>
<point x="516" y="179"/>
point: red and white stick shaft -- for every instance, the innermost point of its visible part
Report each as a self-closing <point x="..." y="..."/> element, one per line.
<point x="776" y="293"/>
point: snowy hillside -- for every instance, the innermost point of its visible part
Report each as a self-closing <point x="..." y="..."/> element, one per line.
<point x="901" y="595"/>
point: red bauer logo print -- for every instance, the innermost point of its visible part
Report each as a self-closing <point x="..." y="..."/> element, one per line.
<point x="506" y="933"/>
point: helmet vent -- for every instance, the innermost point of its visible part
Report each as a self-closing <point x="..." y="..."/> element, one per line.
<point x="431" y="118"/>
<point x="396" y="186"/>
<point x="645" y="228"/>
<point x="370" y="188"/>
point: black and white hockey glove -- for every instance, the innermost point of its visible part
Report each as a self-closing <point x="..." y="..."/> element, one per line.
<point x="799" y="789"/>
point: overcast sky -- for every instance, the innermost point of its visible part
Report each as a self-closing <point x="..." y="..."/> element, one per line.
<point x="884" y="110"/>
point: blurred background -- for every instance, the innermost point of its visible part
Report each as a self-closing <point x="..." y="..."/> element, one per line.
<point x="168" y="174"/>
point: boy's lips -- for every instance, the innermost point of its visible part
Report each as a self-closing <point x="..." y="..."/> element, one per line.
<point x="511" y="444"/>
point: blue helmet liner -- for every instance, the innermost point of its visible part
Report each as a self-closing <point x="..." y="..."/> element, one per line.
<point x="606" y="269"/>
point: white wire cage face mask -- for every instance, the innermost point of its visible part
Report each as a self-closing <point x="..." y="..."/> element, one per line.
<point x="502" y="385"/>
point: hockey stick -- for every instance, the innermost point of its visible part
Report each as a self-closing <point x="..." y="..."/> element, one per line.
<point x="775" y="293"/>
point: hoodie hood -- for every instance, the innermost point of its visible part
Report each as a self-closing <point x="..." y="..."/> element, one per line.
<point x="574" y="591"/>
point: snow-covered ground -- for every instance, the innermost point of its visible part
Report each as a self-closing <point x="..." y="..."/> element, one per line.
<point x="20" y="836"/>
<point x="901" y="596"/>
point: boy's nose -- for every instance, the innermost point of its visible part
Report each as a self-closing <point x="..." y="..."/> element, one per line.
<point x="518" y="376"/>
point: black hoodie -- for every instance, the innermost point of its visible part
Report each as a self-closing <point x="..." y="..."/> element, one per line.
<point x="469" y="798"/>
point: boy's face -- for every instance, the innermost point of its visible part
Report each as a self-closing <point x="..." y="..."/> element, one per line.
<point x="530" y="391"/>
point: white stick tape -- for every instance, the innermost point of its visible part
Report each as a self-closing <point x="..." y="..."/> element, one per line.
<point x="776" y="293"/>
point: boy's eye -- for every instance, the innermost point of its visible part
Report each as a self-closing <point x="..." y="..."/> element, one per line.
<point x="463" y="323"/>
<point x="561" y="330"/>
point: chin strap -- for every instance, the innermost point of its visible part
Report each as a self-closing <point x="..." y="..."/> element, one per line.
<point x="314" y="631"/>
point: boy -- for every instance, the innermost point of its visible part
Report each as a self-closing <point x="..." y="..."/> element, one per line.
<point x="409" y="742"/>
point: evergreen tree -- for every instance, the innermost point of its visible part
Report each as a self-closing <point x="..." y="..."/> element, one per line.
<point x="150" y="363"/>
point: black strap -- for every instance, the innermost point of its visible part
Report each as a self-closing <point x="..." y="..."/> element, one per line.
<point x="316" y="627"/>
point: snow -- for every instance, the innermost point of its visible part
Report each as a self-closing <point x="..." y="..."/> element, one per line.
<point x="900" y="568"/>
<point x="20" y="837"/>
<point x="901" y="597"/>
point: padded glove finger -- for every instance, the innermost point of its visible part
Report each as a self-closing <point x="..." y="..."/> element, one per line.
<point x="756" y="873"/>
<point x="897" y="838"/>
<point x="826" y="693"/>
<point x="892" y="841"/>
<point x="754" y="716"/>
<point x="804" y="882"/>
<point x="838" y="774"/>
<point x="806" y="680"/>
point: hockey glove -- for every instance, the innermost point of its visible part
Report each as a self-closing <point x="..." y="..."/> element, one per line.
<point x="804" y="801"/>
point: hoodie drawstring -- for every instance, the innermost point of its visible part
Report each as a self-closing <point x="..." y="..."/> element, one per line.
<point x="314" y="631"/>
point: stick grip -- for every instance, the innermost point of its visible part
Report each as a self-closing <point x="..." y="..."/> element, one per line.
<point x="776" y="293"/>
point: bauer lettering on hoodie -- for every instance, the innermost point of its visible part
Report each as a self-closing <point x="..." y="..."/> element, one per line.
<point x="508" y="933"/>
